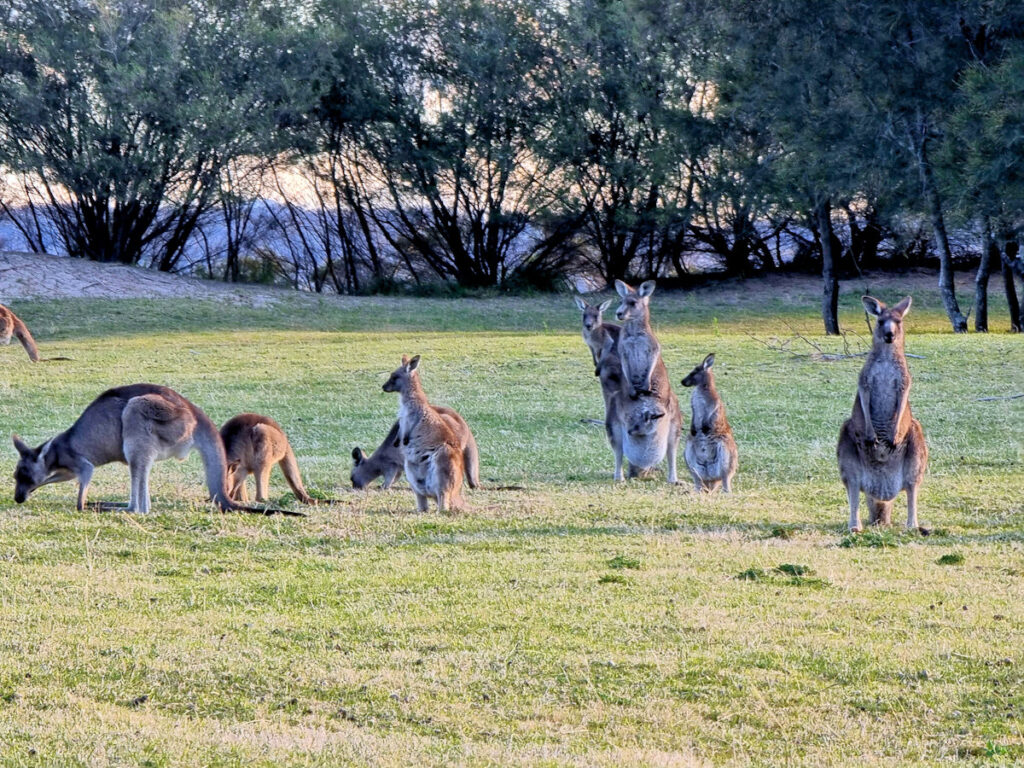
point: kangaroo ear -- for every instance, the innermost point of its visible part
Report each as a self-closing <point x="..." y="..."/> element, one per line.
<point x="605" y="305"/>
<point x="357" y="455"/>
<point x="23" y="449"/>
<point x="903" y="307"/>
<point x="872" y="305"/>
<point x="708" y="361"/>
<point x="622" y="288"/>
<point x="414" y="363"/>
<point x="646" y="288"/>
<point x="580" y="303"/>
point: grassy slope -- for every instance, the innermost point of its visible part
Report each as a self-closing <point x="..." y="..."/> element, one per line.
<point x="370" y="635"/>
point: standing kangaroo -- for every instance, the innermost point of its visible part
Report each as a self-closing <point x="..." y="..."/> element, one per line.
<point x="710" y="448"/>
<point x="253" y="444"/>
<point x="639" y="351"/>
<point x="881" y="446"/>
<point x="596" y="333"/>
<point x="389" y="458"/>
<point x="138" y="425"/>
<point x="433" y="454"/>
<point x="646" y="430"/>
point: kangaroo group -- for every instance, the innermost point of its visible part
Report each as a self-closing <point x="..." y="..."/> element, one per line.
<point x="881" y="449"/>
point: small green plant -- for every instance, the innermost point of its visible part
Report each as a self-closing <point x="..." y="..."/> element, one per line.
<point x="752" y="574"/>
<point x="611" y="578"/>
<point x="793" y="570"/>
<point x="951" y="558"/>
<point x="883" y="538"/>
<point x="620" y="562"/>
<point x="783" y="532"/>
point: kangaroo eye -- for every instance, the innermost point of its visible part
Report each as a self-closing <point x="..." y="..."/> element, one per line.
<point x="705" y="429"/>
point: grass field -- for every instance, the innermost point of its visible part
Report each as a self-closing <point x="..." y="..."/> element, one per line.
<point x="573" y="623"/>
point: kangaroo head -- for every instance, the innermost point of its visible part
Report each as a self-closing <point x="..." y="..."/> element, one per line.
<point x="889" y="320"/>
<point x="591" y="312"/>
<point x="635" y="301"/>
<point x="362" y="473"/>
<point x="403" y="374"/>
<point x="31" y="471"/>
<point x="699" y="375"/>
<point x="644" y="421"/>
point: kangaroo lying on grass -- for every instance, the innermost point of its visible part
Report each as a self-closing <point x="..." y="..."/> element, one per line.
<point x="433" y="451"/>
<point x="389" y="458"/>
<point x="710" y="448"/>
<point x="881" y="447"/>
<point x="138" y="425"/>
<point x="11" y="325"/>
<point x="253" y="444"/>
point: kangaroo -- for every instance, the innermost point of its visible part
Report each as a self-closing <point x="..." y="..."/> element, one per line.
<point x="639" y="352"/>
<point x="645" y="431"/>
<point x="253" y="444"/>
<point x="597" y="334"/>
<point x="710" y="448"/>
<point x="433" y="454"/>
<point x="138" y="425"/>
<point x="881" y="448"/>
<point x="11" y="325"/>
<point x="389" y="458"/>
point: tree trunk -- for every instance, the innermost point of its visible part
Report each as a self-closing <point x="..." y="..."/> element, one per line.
<point x="990" y="250"/>
<point x="1010" y="287"/>
<point x="830" y="285"/>
<point x="946" y="287"/>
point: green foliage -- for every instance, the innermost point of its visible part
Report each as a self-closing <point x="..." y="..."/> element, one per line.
<point x="951" y="558"/>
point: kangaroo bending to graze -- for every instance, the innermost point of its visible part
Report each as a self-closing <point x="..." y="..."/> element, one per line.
<point x="710" y="448"/>
<point x="598" y="335"/>
<point x="433" y="452"/>
<point x="137" y="425"/>
<point x="881" y="448"/>
<point x="12" y="326"/>
<point x="389" y="458"/>
<point x="645" y="431"/>
<point x="638" y="348"/>
<point x="253" y="444"/>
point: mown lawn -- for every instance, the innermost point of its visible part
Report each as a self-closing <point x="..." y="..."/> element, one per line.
<point x="571" y="623"/>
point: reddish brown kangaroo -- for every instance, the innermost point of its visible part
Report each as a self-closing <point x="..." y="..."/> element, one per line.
<point x="254" y="444"/>
<point x="710" y="448"/>
<point x="433" y="453"/>
<point x="881" y="448"/>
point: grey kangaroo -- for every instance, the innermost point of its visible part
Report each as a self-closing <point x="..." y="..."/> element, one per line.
<point x="433" y="452"/>
<point x="639" y="351"/>
<point x="389" y="458"/>
<point x="138" y="425"/>
<point x="882" y="449"/>
<point x="710" y="448"/>
<point x="596" y="333"/>
<point x="645" y="430"/>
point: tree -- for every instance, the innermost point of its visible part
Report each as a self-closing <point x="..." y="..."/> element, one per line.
<point x="120" y="115"/>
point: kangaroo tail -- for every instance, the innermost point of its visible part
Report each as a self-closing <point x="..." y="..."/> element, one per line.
<point x="290" y="468"/>
<point x="471" y="460"/>
<point x="22" y="332"/>
<point x="211" y="449"/>
<point x="881" y="511"/>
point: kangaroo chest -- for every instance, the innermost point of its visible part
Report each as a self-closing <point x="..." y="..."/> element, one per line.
<point x="885" y="382"/>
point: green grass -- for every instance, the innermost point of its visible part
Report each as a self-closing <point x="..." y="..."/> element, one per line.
<point x="575" y="622"/>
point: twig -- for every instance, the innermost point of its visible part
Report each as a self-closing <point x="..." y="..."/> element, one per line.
<point x="1002" y="397"/>
<point x="598" y="422"/>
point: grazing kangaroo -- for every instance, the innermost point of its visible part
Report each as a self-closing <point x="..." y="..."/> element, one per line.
<point x="710" y="448"/>
<point x="639" y="351"/>
<point x="881" y="446"/>
<point x="433" y="454"/>
<point x="253" y="444"/>
<point x="389" y="458"/>
<point x="596" y="333"/>
<point x="11" y="325"/>
<point x="138" y="425"/>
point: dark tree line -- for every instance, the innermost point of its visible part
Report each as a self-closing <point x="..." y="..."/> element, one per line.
<point x="349" y="146"/>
